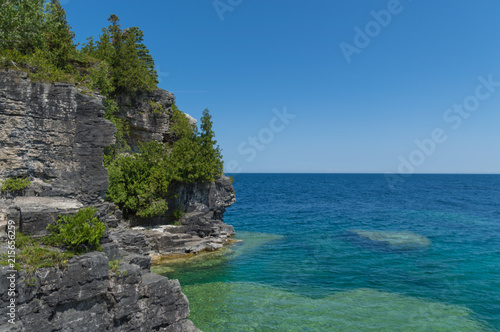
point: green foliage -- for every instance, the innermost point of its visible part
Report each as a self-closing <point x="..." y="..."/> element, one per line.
<point x="23" y="241"/>
<point x="21" y="22"/>
<point x="132" y="66"/>
<point x="28" y="26"/>
<point x="13" y="185"/>
<point x="58" y="38"/>
<point x="231" y="178"/>
<point x="36" y="257"/>
<point x="139" y="183"/>
<point x="157" y="108"/>
<point x="179" y="124"/>
<point x="99" y="78"/>
<point x="122" y="132"/>
<point x="80" y="233"/>
<point x="31" y="255"/>
<point x="36" y="65"/>
<point x="195" y="155"/>
<point x="131" y="72"/>
<point x="211" y="152"/>
<point x="114" y="266"/>
<point x="178" y="212"/>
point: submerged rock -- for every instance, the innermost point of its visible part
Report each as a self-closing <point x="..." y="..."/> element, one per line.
<point x="395" y="239"/>
<point x="244" y="243"/>
<point x="245" y="306"/>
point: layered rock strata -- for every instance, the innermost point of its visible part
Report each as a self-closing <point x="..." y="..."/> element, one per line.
<point x="87" y="296"/>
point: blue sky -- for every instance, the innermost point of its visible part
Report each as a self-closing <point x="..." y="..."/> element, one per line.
<point x="373" y="109"/>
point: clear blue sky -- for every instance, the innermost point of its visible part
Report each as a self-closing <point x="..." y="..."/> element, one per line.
<point x="357" y="116"/>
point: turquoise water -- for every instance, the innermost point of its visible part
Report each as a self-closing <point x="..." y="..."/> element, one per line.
<point x="326" y="252"/>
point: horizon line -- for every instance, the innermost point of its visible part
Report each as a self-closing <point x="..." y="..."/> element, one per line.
<point x="357" y="173"/>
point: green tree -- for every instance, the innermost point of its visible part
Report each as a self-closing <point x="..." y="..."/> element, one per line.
<point x="101" y="49"/>
<point x="58" y="39"/>
<point x="131" y="73"/>
<point x="21" y="24"/>
<point x="138" y="183"/>
<point x="210" y="151"/>
<point x="179" y="124"/>
<point x="132" y="66"/>
<point x="143" y="54"/>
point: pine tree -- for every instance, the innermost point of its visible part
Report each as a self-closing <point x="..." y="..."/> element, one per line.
<point x="58" y="39"/>
<point x="131" y="64"/>
<point x="143" y="52"/>
<point x="209" y="149"/>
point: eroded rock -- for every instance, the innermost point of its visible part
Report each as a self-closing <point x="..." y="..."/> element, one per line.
<point x="87" y="296"/>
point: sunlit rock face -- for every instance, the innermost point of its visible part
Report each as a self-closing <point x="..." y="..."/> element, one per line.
<point x="405" y="240"/>
<point x="54" y="135"/>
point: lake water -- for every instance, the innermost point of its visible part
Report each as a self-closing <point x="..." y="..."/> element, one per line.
<point x="348" y="252"/>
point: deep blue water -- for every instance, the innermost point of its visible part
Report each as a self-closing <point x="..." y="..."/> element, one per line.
<point x="312" y="264"/>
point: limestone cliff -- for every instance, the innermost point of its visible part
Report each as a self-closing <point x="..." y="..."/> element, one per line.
<point x="55" y="135"/>
<point x="148" y="115"/>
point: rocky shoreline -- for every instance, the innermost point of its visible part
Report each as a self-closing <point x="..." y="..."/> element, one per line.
<point x="198" y="230"/>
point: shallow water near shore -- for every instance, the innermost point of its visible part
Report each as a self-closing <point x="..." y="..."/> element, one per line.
<point x="302" y="268"/>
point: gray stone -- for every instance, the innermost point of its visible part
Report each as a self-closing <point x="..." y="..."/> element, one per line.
<point x="213" y="246"/>
<point x="130" y="240"/>
<point x="112" y="251"/>
<point x="143" y="261"/>
<point x="55" y="136"/>
<point x="192" y="120"/>
<point x="33" y="214"/>
<point x="89" y="297"/>
<point x="146" y="122"/>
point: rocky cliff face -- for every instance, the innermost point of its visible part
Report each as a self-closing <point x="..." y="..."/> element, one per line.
<point x="55" y="136"/>
<point x="148" y="115"/>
